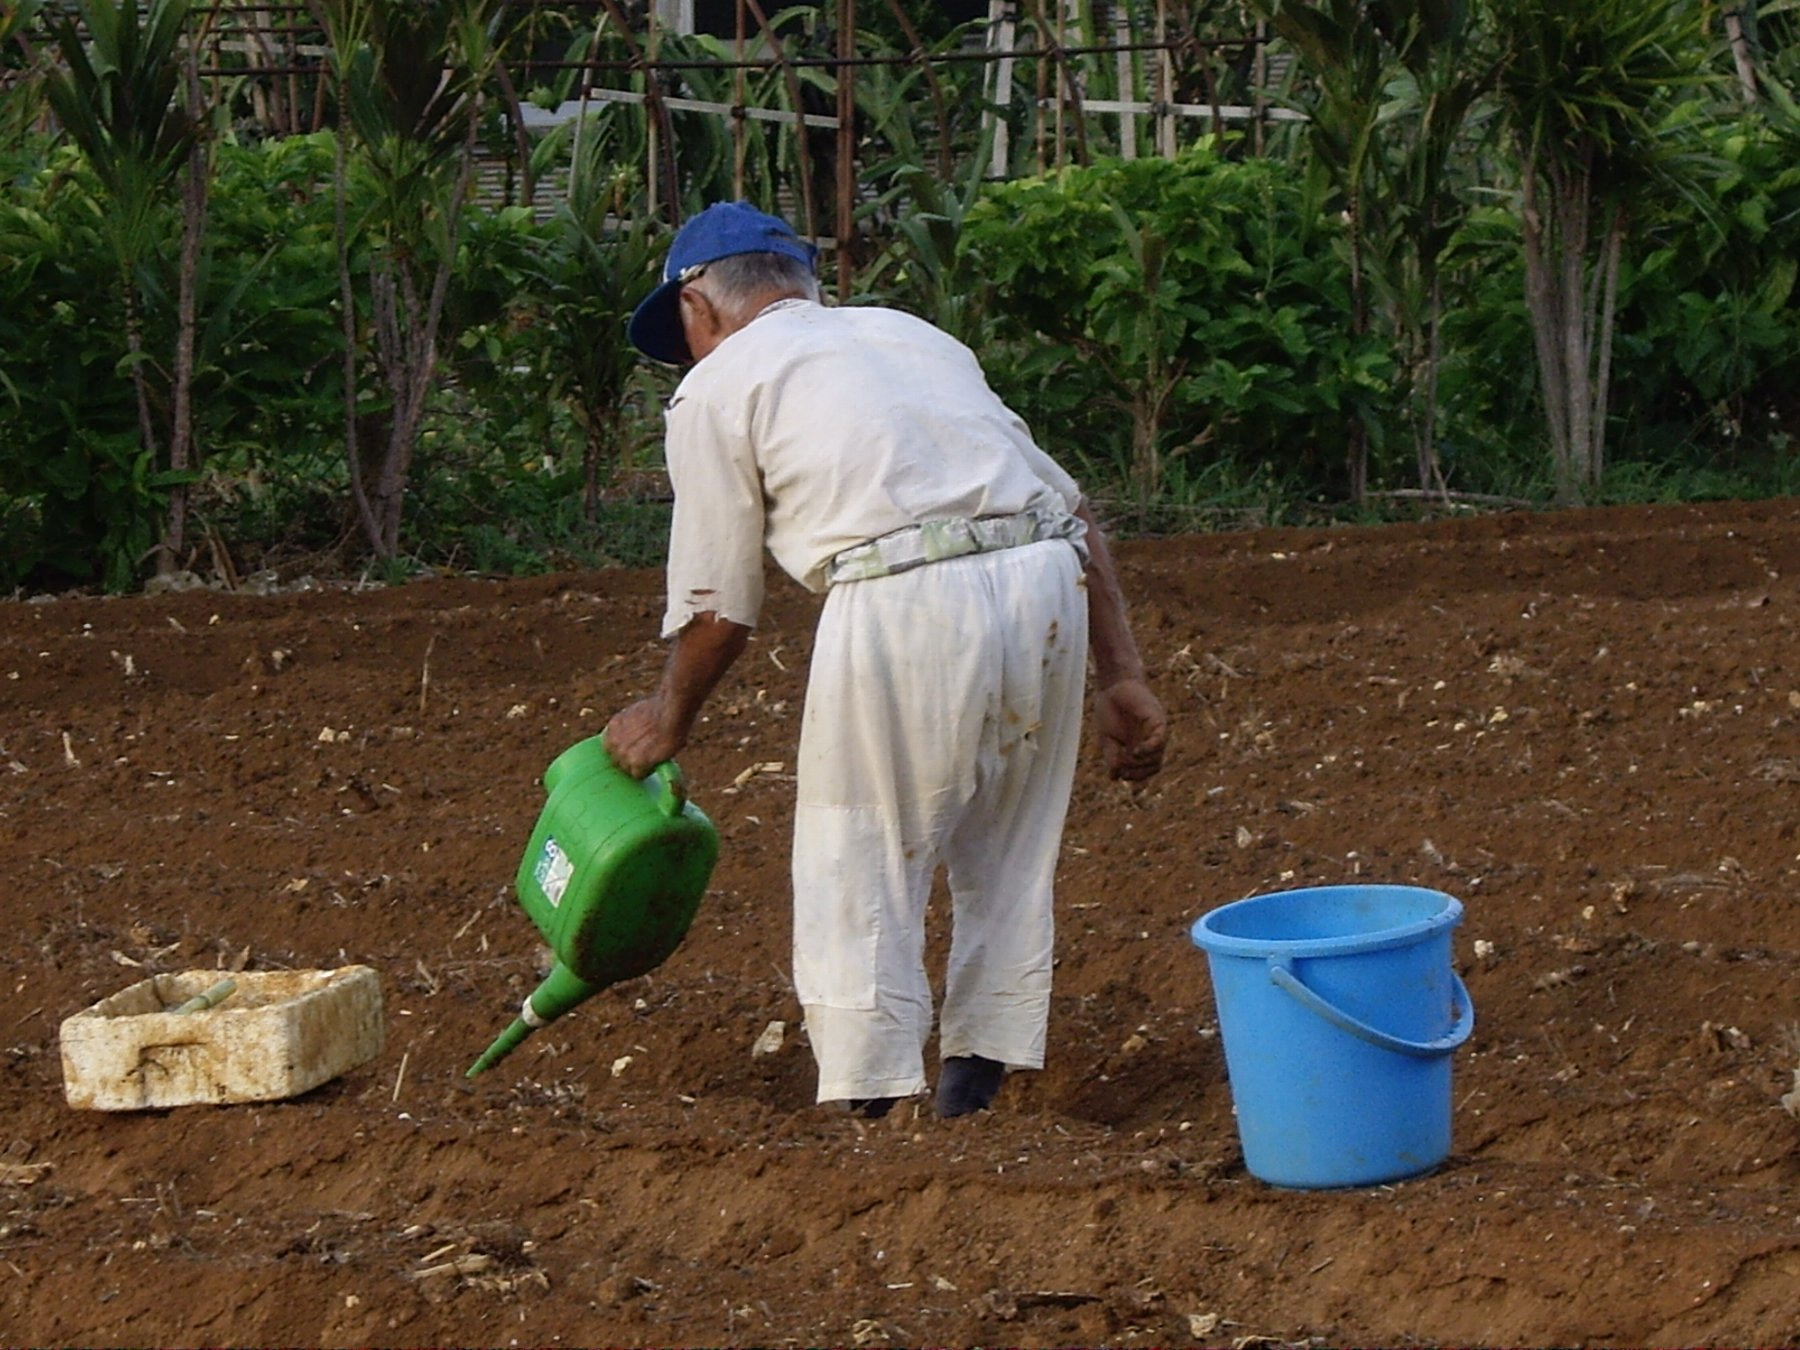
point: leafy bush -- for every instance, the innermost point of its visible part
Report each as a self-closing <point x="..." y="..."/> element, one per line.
<point x="1713" y="314"/>
<point x="1195" y="295"/>
<point x="81" y="499"/>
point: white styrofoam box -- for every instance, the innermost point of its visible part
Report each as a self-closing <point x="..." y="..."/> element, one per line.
<point x="278" y="1034"/>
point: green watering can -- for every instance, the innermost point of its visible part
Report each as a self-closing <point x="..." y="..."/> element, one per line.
<point x="612" y="876"/>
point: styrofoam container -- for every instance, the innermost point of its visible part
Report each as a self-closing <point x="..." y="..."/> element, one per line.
<point x="280" y="1033"/>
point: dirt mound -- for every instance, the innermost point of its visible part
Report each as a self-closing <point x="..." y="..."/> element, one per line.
<point x="1585" y="726"/>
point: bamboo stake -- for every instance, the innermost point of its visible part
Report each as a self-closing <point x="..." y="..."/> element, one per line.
<point x="740" y="145"/>
<point x="779" y="50"/>
<point x="846" y="148"/>
<point x="1165" y="84"/>
<point x="1001" y="32"/>
<point x="1127" y="84"/>
<point x="425" y="673"/>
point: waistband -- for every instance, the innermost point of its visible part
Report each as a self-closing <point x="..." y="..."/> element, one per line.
<point x="953" y="537"/>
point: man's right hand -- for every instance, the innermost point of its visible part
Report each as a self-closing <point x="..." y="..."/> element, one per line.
<point x="638" y="738"/>
<point x="653" y="729"/>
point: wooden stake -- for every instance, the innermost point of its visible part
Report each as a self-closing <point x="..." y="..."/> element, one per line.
<point x="425" y="673"/>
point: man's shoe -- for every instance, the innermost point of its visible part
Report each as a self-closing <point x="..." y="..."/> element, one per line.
<point x="872" y="1108"/>
<point x="968" y="1084"/>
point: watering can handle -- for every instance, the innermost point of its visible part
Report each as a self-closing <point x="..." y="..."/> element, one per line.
<point x="669" y="782"/>
<point x="673" y="785"/>
<point x="1281" y="973"/>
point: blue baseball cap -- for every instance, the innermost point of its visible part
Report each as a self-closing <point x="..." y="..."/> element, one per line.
<point x="722" y="230"/>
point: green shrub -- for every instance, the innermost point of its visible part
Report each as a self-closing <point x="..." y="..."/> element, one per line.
<point x="1196" y="296"/>
<point x="81" y="500"/>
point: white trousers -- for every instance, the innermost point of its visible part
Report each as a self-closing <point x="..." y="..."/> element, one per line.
<point x="942" y="724"/>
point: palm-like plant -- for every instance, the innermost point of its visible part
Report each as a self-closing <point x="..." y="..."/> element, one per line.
<point x="409" y="80"/>
<point x="121" y="98"/>
<point x="15" y="108"/>
<point x="601" y="257"/>
<point x="1584" y="90"/>
<point x="1390" y="83"/>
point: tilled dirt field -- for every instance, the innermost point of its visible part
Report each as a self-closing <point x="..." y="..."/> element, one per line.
<point x="1585" y="726"/>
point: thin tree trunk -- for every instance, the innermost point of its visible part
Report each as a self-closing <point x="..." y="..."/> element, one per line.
<point x="1540" y="301"/>
<point x="1615" y="247"/>
<point x="359" y="495"/>
<point x="193" y="234"/>
<point x="521" y="138"/>
<point x="407" y="337"/>
<point x="1741" y="54"/>
<point x="134" y="343"/>
<point x="593" y="449"/>
<point x="1570" y="207"/>
<point x="1356" y="435"/>
<point x="1431" y="470"/>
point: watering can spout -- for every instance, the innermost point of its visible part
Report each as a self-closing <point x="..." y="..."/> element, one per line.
<point x="561" y="990"/>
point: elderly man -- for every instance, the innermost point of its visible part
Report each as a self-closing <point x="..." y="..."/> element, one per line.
<point x="965" y="583"/>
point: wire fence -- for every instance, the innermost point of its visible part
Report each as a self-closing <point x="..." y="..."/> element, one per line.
<point x="1027" y="86"/>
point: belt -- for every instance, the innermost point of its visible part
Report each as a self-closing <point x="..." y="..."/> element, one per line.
<point x="954" y="537"/>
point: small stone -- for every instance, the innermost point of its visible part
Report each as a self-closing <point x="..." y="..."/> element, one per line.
<point x="770" y="1042"/>
<point x="1202" y="1325"/>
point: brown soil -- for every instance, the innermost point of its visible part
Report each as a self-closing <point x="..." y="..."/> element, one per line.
<point x="1586" y="726"/>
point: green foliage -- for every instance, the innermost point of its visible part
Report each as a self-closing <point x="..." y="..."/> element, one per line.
<point x="1186" y="334"/>
<point x="81" y="491"/>
<point x="116" y="99"/>
<point x="1197" y="295"/>
<point x="919" y="196"/>
<point x="1712" y="313"/>
<point x="115" y="95"/>
<point x="601" y="254"/>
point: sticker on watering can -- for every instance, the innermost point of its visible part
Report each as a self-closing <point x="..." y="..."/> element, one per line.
<point x="553" y="872"/>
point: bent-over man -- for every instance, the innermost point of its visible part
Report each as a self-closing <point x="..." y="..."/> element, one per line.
<point x="965" y="584"/>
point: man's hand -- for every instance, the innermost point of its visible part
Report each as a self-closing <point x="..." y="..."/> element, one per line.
<point x="639" y="738"/>
<point x="653" y="729"/>
<point x="1134" y="729"/>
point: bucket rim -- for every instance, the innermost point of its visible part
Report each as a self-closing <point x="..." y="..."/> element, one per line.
<point x="1206" y="937"/>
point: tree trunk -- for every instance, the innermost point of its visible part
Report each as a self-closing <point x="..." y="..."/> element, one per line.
<point x="1573" y="304"/>
<point x="406" y="335"/>
<point x="1539" y="237"/>
<point x="353" y="452"/>
<point x="1425" y="392"/>
<point x="1609" y="300"/>
<point x="1741" y="54"/>
<point x="1356" y="435"/>
<point x="593" y="451"/>
<point x="193" y="234"/>
<point x="134" y="343"/>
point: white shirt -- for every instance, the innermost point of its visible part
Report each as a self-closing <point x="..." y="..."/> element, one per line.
<point x="813" y="430"/>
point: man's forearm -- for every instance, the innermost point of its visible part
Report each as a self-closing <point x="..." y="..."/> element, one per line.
<point x="1109" y="630"/>
<point x="703" y="652"/>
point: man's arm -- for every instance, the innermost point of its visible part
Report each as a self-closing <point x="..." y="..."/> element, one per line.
<point x="656" y="728"/>
<point x="1134" y="729"/>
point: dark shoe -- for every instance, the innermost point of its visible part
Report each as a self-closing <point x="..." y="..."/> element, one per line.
<point x="872" y="1108"/>
<point x="968" y="1084"/>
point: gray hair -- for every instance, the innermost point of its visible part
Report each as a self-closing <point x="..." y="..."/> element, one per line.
<point x="738" y="280"/>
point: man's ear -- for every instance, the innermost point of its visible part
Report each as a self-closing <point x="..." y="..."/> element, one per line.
<point x="697" y="307"/>
<point x="699" y="319"/>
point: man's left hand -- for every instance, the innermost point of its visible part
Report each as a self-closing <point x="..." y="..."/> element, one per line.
<point x="1134" y="729"/>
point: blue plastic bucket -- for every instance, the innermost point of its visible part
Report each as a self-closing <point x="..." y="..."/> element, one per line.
<point x="1339" y="1010"/>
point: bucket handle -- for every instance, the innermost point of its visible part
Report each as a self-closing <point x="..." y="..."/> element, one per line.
<point x="1281" y="973"/>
